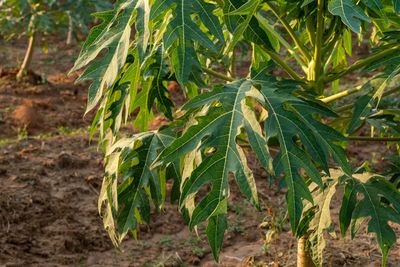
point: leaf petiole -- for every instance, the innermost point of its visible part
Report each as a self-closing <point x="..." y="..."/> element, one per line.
<point x="350" y="106"/>
<point x="341" y="94"/>
<point x="375" y="139"/>
<point x="291" y="32"/>
<point x="283" y="64"/>
<point x="282" y="40"/>
<point x="218" y="75"/>
<point x="362" y="63"/>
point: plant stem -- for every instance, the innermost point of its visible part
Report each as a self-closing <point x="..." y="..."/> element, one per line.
<point x="318" y="48"/>
<point x="341" y="94"/>
<point x="303" y="255"/>
<point x="282" y="63"/>
<point x="375" y="139"/>
<point x="70" y="28"/>
<point x="291" y="32"/>
<point x="232" y="67"/>
<point x="350" y="106"/>
<point x="344" y="108"/>
<point x="362" y="63"/>
<point x="282" y="40"/>
<point x="247" y="145"/>
<point x="218" y="75"/>
<point x="28" y="57"/>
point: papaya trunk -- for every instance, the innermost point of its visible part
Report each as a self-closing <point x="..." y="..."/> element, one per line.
<point x="303" y="255"/>
<point x="70" y="28"/>
<point x="28" y="57"/>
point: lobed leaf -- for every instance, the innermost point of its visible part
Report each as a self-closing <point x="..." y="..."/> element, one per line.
<point x="130" y="160"/>
<point x="375" y="5"/>
<point x="317" y="138"/>
<point x="349" y="13"/>
<point x="396" y="5"/>
<point x="363" y="108"/>
<point x="393" y="170"/>
<point x="184" y="31"/>
<point x="218" y="129"/>
<point x="373" y="188"/>
<point x="239" y="16"/>
<point x="112" y="34"/>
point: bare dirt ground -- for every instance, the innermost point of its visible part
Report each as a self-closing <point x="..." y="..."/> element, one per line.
<point x="50" y="176"/>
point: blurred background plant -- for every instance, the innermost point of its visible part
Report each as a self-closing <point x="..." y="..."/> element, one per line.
<point x="37" y="19"/>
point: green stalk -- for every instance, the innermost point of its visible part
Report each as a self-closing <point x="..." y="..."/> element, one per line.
<point x="316" y="71"/>
<point x="282" y="40"/>
<point x="232" y="67"/>
<point x="362" y="63"/>
<point x="375" y="139"/>
<point x="282" y="63"/>
<point x="350" y="106"/>
<point x="341" y="94"/>
<point x="218" y="75"/>
<point x="291" y="32"/>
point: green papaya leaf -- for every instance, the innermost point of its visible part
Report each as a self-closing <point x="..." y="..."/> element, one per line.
<point x="375" y="5"/>
<point x="385" y="122"/>
<point x="184" y="31"/>
<point x="318" y="139"/>
<point x="363" y="108"/>
<point x="393" y="170"/>
<point x="389" y="77"/>
<point x="158" y="73"/>
<point x="373" y="189"/>
<point x="112" y="34"/>
<point x="248" y="9"/>
<point x="239" y="16"/>
<point x="391" y="62"/>
<point x="349" y="13"/>
<point x="306" y="2"/>
<point x="396" y="5"/>
<point x="130" y="160"/>
<point x="349" y="202"/>
<point x="218" y="129"/>
<point x="215" y="233"/>
<point x="347" y="42"/>
<point x="140" y="46"/>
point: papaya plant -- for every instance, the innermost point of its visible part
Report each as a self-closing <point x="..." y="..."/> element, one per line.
<point x="29" y="18"/>
<point x="78" y="13"/>
<point x="291" y="99"/>
<point x="32" y="18"/>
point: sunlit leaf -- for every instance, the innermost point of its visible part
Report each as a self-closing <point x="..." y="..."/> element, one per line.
<point x="130" y="160"/>
<point x="218" y="129"/>
<point x="318" y="139"/>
